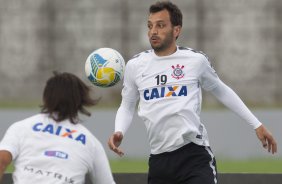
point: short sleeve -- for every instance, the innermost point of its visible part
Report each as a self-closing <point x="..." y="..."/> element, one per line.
<point x="208" y="76"/>
<point x="130" y="89"/>
<point x="11" y="140"/>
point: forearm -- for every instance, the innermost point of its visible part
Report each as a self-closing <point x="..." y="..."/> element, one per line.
<point x="124" y="116"/>
<point x="5" y="160"/>
<point x="231" y="100"/>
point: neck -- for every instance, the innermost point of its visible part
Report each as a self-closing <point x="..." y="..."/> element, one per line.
<point x="167" y="51"/>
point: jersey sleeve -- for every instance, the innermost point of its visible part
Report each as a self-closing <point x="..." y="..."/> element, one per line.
<point x="124" y="116"/>
<point x="11" y="140"/>
<point x="208" y="76"/>
<point x="231" y="100"/>
<point x="100" y="171"/>
<point x="130" y="89"/>
<point x="130" y="95"/>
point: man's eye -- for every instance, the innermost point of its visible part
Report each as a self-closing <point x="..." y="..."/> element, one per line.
<point x="161" y="25"/>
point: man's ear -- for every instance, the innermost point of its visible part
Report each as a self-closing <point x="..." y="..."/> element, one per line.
<point x="177" y="31"/>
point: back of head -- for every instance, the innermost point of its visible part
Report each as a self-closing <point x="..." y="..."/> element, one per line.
<point x="174" y="11"/>
<point x="64" y="96"/>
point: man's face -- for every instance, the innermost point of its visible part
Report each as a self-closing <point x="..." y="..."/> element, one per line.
<point x="161" y="32"/>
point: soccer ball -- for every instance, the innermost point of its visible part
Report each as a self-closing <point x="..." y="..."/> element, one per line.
<point x="104" y="67"/>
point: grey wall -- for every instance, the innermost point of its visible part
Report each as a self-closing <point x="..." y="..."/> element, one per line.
<point x="242" y="38"/>
<point x="230" y="137"/>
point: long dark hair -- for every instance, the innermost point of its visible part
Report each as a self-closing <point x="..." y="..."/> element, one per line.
<point x="64" y="96"/>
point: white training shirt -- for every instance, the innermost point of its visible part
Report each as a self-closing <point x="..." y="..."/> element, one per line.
<point x="169" y="92"/>
<point x="47" y="152"/>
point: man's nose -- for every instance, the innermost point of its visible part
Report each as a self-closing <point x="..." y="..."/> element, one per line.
<point x="154" y="30"/>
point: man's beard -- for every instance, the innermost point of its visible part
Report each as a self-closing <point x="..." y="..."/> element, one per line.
<point x="165" y="43"/>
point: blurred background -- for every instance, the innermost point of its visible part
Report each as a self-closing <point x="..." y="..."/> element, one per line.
<point x="242" y="38"/>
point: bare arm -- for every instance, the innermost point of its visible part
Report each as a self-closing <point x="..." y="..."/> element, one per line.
<point x="5" y="160"/>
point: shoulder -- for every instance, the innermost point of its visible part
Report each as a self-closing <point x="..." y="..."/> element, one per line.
<point x="83" y="129"/>
<point x="29" y="120"/>
<point x="140" y="57"/>
<point x="20" y="127"/>
<point x="199" y="55"/>
<point x="193" y="52"/>
<point x="92" y="141"/>
<point x="80" y="127"/>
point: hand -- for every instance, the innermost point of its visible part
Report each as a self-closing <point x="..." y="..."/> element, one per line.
<point x="114" y="142"/>
<point x="5" y="160"/>
<point x="266" y="139"/>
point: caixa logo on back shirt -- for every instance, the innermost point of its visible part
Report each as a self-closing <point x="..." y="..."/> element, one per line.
<point x="60" y="131"/>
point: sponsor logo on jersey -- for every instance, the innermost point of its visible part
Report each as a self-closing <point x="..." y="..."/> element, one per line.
<point x="58" y="154"/>
<point x="164" y="92"/>
<point x="60" y="131"/>
<point x="48" y="173"/>
<point x="177" y="72"/>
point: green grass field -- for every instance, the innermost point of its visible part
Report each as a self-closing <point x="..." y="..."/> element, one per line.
<point x="223" y="166"/>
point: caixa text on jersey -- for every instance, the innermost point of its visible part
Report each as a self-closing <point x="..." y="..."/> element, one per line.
<point x="165" y="91"/>
<point x="60" y="131"/>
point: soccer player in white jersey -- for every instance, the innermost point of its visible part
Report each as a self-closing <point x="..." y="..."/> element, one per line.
<point x="168" y="81"/>
<point x="53" y="147"/>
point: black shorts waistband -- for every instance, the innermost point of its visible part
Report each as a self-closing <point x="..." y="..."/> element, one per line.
<point x="186" y="146"/>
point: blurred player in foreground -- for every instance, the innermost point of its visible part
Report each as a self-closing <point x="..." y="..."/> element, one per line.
<point x="167" y="81"/>
<point x="53" y="147"/>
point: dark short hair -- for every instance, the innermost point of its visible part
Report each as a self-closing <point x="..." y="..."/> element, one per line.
<point x="174" y="12"/>
<point x="64" y="96"/>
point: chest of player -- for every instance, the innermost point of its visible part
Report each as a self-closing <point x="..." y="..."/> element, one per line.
<point x="167" y="73"/>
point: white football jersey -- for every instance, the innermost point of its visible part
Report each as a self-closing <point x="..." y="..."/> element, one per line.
<point x="169" y="93"/>
<point x="47" y="152"/>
